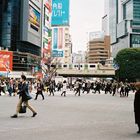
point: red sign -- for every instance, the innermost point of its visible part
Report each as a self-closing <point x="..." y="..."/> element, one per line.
<point x="6" y="61"/>
<point x="48" y="5"/>
<point x="39" y="75"/>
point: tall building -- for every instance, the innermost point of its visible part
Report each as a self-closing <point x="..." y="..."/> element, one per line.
<point x="61" y="38"/>
<point x="67" y="48"/>
<point x="98" y="48"/>
<point x="20" y="31"/>
<point x="105" y="18"/>
<point x="124" y="24"/>
<point x="46" y="30"/>
<point x="79" y="57"/>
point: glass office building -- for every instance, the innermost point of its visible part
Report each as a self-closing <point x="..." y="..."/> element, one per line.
<point x="16" y="33"/>
<point x="125" y="20"/>
<point x="114" y="20"/>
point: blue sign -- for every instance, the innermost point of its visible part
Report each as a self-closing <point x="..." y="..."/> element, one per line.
<point x="57" y="53"/>
<point x="36" y="69"/>
<point x="60" y="13"/>
<point x="55" y="38"/>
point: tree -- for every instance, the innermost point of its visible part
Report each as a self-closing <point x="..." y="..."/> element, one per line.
<point x="128" y="61"/>
<point x="48" y="66"/>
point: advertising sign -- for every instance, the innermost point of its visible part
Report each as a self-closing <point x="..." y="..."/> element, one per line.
<point x="37" y="2"/>
<point x="48" y="5"/>
<point x="6" y="61"/>
<point x="60" y="13"/>
<point x="57" y="53"/>
<point x="34" y="18"/>
<point x="58" y="38"/>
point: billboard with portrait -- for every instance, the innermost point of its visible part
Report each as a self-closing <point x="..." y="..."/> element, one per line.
<point x="6" y="61"/>
<point x="60" y="13"/>
<point x="34" y="18"/>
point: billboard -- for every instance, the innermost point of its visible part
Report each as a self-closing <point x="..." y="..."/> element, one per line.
<point x="57" y="42"/>
<point x="58" y="38"/>
<point x="37" y="2"/>
<point x="34" y="18"/>
<point x="60" y="13"/>
<point x="6" y="61"/>
<point x="57" y="53"/>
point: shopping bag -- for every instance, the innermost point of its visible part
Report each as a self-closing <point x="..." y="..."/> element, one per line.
<point x="23" y="109"/>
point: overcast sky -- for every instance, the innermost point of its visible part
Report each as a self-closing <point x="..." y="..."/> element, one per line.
<point x="85" y="16"/>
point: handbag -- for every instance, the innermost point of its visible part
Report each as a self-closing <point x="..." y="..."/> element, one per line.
<point x="23" y="109"/>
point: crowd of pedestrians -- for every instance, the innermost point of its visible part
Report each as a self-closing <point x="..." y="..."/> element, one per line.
<point x="11" y="87"/>
<point x="24" y="87"/>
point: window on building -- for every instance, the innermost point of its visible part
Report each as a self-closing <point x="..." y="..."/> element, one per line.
<point x="128" y="10"/>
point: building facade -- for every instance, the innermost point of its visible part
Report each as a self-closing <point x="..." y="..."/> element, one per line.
<point x="98" y="49"/>
<point x="67" y="47"/>
<point x="46" y="30"/>
<point x="124" y="24"/>
<point x="20" y="31"/>
<point x="105" y="19"/>
<point x="80" y="57"/>
<point x="67" y="59"/>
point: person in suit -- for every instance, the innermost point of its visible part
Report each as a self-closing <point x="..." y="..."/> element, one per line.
<point x="137" y="106"/>
<point x="24" y="97"/>
<point x="40" y="88"/>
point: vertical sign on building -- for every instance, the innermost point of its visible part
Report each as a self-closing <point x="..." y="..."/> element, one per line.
<point x="60" y="38"/>
<point x="60" y="13"/>
<point x="58" y="42"/>
<point x="55" y="38"/>
<point x="47" y="32"/>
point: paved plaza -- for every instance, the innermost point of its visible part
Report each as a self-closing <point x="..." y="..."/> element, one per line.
<point x="88" y="117"/>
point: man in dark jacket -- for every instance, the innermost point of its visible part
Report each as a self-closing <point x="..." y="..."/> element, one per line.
<point x="40" y="88"/>
<point x="24" y="97"/>
<point x="137" y="106"/>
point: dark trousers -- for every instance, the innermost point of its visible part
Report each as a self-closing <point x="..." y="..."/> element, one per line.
<point x="51" y="92"/>
<point x="114" y="91"/>
<point x="2" y="90"/>
<point x="126" y="93"/>
<point x="77" y="91"/>
<point x="122" y="93"/>
<point x="138" y="126"/>
<point x="39" y="92"/>
<point x="107" y="90"/>
<point x="96" y="89"/>
<point x="10" y="91"/>
<point x="63" y="93"/>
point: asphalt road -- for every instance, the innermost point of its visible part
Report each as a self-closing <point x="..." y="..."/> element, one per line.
<point x="88" y="117"/>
